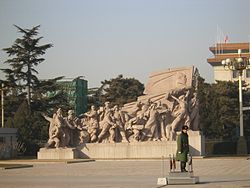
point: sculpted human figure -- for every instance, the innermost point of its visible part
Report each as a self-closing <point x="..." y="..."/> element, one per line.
<point x="93" y="123"/>
<point x="70" y="128"/>
<point x="180" y="86"/>
<point x="53" y="133"/>
<point x="133" y="110"/>
<point x="151" y="129"/>
<point x="100" y="113"/>
<point x="55" y="130"/>
<point x="107" y="106"/>
<point x="107" y="125"/>
<point x="164" y="119"/>
<point x="194" y="113"/>
<point x="58" y="118"/>
<point x="63" y="127"/>
<point x="53" y="138"/>
<point x="145" y="108"/>
<point x="119" y="121"/>
<point x="181" y="112"/>
<point x="83" y="136"/>
<point x="136" y="125"/>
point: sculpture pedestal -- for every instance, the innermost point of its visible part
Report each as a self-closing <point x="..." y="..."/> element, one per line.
<point x="60" y="153"/>
<point x="134" y="150"/>
<point x="182" y="178"/>
<point x="140" y="150"/>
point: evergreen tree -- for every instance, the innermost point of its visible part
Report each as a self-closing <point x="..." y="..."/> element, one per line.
<point x="43" y="95"/>
<point x="118" y="91"/>
<point x="48" y="95"/>
<point x="24" y="55"/>
<point x="219" y="109"/>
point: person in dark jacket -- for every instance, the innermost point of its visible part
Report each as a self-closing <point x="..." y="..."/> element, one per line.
<point x="182" y="148"/>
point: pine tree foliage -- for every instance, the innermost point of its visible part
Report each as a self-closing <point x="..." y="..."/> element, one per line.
<point x="118" y="91"/>
<point x="47" y="96"/>
<point x="24" y="55"/>
<point x="219" y="109"/>
<point x="22" y="83"/>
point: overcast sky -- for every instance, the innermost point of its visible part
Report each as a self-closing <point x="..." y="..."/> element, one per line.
<point x="100" y="39"/>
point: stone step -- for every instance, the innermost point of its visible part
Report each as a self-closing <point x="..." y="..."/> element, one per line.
<point x="182" y="180"/>
<point x="180" y="174"/>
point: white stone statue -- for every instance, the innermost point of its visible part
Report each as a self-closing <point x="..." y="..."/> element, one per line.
<point x="194" y="113"/>
<point x="107" y="126"/>
<point x="56" y="134"/>
<point x="135" y="126"/>
<point x="180" y="112"/>
<point x="152" y="126"/>
<point x="92" y="123"/>
<point x="168" y="103"/>
<point x="119" y="120"/>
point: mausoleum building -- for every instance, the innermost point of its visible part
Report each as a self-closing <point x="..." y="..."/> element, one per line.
<point x="223" y="51"/>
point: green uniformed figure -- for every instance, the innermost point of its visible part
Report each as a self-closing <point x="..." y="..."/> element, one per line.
<point x="182" y="148"/>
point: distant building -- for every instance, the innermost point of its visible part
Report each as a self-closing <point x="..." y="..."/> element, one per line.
<point x="76" y="90"/>
<point x="222" y="51"/>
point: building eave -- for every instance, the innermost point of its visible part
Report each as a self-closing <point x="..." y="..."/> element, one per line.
<point x="216" y="60"/>
<point x="229" y="46"/>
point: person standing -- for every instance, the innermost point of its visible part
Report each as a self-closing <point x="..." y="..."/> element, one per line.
<point x="182" y="148"/>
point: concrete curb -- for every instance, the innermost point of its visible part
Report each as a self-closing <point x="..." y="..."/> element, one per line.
<point x="37" y="161"/>
<point x="79" y="161"/>
<point x="14" y="166"/>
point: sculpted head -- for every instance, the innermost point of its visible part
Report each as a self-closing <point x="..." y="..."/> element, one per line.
<point x="92" y="107"/>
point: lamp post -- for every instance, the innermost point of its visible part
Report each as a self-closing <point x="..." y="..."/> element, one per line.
<point x="2" y="104"/>
<point x="239" y="64"/>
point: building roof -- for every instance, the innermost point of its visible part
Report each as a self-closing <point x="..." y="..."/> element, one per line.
<point x="227" y="50"/>
<point x="229" y="46"/>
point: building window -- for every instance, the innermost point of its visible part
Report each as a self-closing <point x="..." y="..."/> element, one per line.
<point x="247" y="73"/>
<point x="235" y="74"/>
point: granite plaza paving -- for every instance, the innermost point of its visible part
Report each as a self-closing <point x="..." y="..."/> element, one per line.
<point x="212" y="172"/>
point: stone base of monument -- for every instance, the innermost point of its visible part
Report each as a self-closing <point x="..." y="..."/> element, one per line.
<point x="60" y="153"/>
<point x="179" y="178"/>
<point x="140" y="150"/>
<point x="134" y="150"/>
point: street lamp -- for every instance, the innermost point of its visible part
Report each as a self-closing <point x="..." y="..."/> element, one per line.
<point x="2" y="104"/>
<point x="239" y="64"/>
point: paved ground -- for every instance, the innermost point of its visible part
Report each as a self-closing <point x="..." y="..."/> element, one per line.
<point x="213" y="172"/>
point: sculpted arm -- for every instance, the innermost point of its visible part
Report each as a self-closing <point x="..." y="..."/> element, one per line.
<point x="175" y="98"/>
<point x="187" y="93"/>
<point x="47" y="117"/>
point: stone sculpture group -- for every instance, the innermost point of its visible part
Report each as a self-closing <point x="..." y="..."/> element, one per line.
<point x="144" y="122"/>
<point x="156" y="116"/>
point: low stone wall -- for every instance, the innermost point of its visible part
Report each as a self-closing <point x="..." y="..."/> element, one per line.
<point x="140" y="150"/>
<point x="60" y="153"/>
<point x="134" y="150"/>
